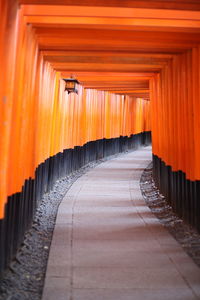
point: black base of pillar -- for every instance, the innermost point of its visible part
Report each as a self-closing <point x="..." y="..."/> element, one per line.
<point x="182" y="194"/>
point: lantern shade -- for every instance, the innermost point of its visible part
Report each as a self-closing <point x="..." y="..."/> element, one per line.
<point x="71" y="85"/>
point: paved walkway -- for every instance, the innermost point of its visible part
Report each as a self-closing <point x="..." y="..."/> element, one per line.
<point x="107" y="245"/>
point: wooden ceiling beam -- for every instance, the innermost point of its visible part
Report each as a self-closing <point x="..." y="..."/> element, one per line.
<point x="120" y="85"/>
<point x="73" y="67"/>
<point x="120" y="35"/>
<point x="120" y="12"/>
<point x="112" y="75"/>
<point x="132" y="91"/>
<point x="180" y="30"/>
<point x="51" y="54"/>
<point x="106" y="60"/>
<point x="62" y="43"/>
<point x="139" y="95"/>
<point x="155" y="4"/>
<point x="144" y="91"/>
<point x="105" y="40"/>
<point x="112" y="21"/>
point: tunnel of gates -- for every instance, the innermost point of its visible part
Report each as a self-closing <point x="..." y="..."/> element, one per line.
<point x="46" y="133"/>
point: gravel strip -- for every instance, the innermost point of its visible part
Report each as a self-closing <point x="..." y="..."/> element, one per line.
<point x="24" y="280"/>
<point x="186" y="235"/>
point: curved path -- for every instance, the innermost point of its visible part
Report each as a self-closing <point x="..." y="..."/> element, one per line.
<point x="107" y="245"/>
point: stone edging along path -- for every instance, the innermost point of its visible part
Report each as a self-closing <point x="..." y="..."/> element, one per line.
<point x="186" y="235"/>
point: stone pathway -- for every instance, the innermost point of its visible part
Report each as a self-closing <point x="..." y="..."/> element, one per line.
<point x="107" y="245"/>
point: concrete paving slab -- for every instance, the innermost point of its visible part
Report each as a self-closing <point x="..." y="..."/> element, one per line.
<point x="108" y="245"/>
<point x="106" y="233"/>
<point x="112" y="245"/>
<point x="62" y="235"/>
<point x="59" y="270"/>
<point x="127" y="277"/>
<point x="133" y="294"/>
<point x="119" y="258"/>
<point x="56" y="288"/>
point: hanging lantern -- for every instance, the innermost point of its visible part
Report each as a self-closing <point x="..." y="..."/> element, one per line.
<point x="71" y="85"/>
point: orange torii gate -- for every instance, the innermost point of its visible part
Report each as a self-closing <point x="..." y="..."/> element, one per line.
<point x="124" y="53"/>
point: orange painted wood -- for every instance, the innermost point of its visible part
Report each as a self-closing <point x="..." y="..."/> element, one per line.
<point x="57" y="10"/>
<point x="161" y="4"/>
<point x="39" y="119"/>
<point x="156" y="56"/>
<point x="113" y="21"/>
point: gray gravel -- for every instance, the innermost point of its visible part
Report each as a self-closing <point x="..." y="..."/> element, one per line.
<point x="24" y="280"/>
<point x="186" y="235"/>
